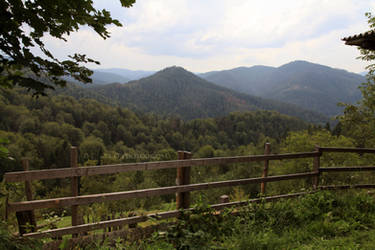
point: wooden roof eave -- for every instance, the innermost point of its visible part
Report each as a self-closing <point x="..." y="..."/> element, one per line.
<point x="365" y="40"/>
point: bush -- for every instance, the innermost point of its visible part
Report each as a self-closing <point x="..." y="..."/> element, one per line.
<point x="10" y="242"/>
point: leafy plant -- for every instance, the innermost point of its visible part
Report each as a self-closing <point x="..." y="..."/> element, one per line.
<point x="10" y="242"/>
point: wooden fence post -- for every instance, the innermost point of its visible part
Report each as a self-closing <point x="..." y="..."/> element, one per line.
<point x="26" y="219"/>
<point x="29" y="193"/>
<point x="183" y="178"/>
<point x="316" y="167"/>
<point x="267" y="151"/>
<point x="132" y="225"/>
<point x="75" y="185"/>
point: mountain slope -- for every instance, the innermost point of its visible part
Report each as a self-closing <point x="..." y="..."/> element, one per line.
<point x="308" y="85"/>
<point x="175" y="91"/>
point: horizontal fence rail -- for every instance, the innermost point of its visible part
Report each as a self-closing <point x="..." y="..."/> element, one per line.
<point x="181" y="187"/>
<point x="347" y="150"/>
<point x="159" y="216"/>
<point x="355" y="186"/>
<point x="119" y="168"/>
<point x="348" y="169"/>
<point x="93" y="198"/>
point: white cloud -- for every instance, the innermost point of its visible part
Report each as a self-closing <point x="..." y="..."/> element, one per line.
<point x="213" y="34"/>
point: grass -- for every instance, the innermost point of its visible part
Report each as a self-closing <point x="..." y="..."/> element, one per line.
<point x="66" y="221"/>
<point x="324" y="220"/>
<point x="356" y="240"/>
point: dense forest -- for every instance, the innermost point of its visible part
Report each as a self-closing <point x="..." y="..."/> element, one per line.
<point x="44" y="128"/>
<point x="45" y="110"/>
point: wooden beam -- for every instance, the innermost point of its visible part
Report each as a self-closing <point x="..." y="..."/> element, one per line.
<point x="348" y="169"/>
<point x="348" y="150"/>
<point x="87" y="199"/>
<point x="29" y="195"/>
<point x="158" y="216"/>
<point x="119" y="168"/>
<point x="129" y="235"/>
<point x="267" y="151"/>
<point x="316" y="167"/>
<point x="258" y="200"/>
<point x="356" y="186"/>
<point x="75" y="185"/>
<point x="183" y="178"/>
<point x="102" y="224"/>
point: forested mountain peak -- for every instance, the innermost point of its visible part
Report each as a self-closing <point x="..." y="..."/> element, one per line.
<point x="301" y="64"/>
<point x="305" y="66"/>
<point x="173" y="76"/>
<point x="174" y="69"/>
<point x="239" y="71"/>
<point x="175" y="73"/>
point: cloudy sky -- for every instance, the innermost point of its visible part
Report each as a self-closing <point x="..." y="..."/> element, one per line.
<point x="205" y="35"/>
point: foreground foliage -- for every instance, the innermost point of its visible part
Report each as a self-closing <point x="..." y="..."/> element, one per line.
<point x="44" y="129"/>
<point x="358" y="120"/>
<point x="322" y="220"/>
<point x="25" y="25"/>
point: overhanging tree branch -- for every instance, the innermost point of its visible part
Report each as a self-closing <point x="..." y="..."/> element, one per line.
<point x="23" y="25"/>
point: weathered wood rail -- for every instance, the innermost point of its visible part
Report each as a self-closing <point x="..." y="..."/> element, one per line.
<point x="182" y="187"/>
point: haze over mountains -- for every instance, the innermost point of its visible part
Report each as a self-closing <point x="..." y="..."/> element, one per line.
<point x="102" y="77"/>
<point x="113" y="74"/>
<point x="308" y="85"/>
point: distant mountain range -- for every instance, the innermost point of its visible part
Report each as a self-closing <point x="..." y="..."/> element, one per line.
<point x="102" y="77"/>
<point x="175" y="91"/>
<point x="308" y="85"/>
<point x="113" y="74"/>
<point x="302" y="89"/>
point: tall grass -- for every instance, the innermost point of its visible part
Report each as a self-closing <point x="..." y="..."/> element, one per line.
<point x="323" y="220"/>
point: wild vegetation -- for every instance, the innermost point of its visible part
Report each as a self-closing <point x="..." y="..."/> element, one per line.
<point x="107" y="134"/>
<point x="317" y="221"/>
<point x="26" y="23"/>
<point x="323" y="220"/>
<point x="43" y="129"/>
<point x="40" y="146"/>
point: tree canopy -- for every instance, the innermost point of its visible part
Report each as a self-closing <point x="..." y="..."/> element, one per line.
<point x="358" y="120"/>
<point x="24" y="23"/>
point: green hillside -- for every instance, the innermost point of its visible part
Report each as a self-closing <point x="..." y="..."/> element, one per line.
<point x="44" y="128"/>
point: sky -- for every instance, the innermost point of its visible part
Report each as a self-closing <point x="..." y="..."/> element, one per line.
<point x="206" y="35"/>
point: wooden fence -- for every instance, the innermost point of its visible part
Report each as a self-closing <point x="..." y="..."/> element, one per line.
<point x="25" y="209"/>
